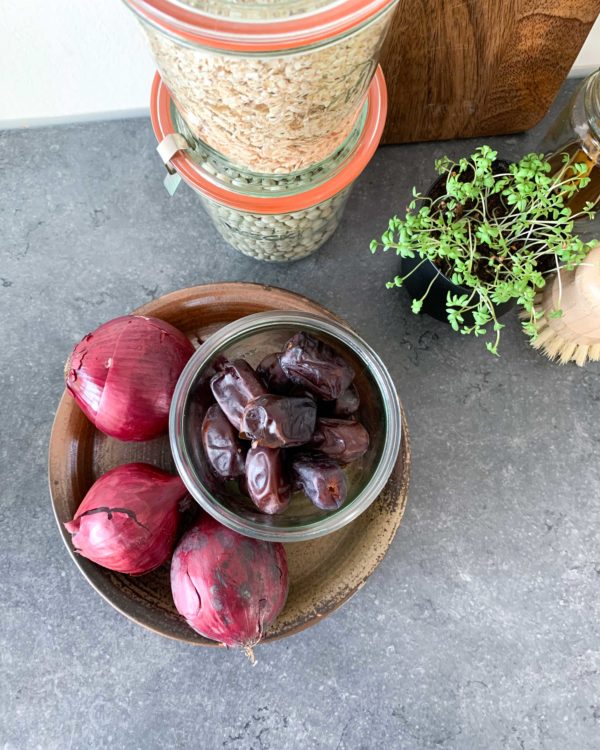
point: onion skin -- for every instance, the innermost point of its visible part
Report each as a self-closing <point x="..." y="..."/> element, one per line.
<point x="123" y="374"/>
<point x="128" y="520"/>
<point x="228" y="587"/>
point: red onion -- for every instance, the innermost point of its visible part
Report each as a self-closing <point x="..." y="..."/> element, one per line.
<point x="228" y="587"/>
<point x="123" y="375"/>
<point x="128" y="520"/>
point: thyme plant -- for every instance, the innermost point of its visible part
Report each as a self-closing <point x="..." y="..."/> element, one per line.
<point x="496" y="232"/>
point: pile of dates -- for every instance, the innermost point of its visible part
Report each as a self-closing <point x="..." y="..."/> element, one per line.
<point x="287" y="426"/>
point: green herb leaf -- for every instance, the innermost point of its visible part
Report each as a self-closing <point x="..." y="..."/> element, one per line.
<point x="493" y="232"/>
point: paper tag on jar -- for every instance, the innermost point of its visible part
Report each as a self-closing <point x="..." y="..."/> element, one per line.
<point x="171" y="183"/>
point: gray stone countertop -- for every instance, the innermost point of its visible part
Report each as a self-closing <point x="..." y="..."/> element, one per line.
<point x="480" y="629"/>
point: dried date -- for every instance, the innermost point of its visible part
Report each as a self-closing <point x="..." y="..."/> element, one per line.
<point x="233" y="387"/>
<point x="344" y="440"/>
<point x="222" y="449"/>
<point x="266" y="483"/>
<point x="347" y="404"/>
<point x="313" y="364"/>
<point x="269" y="369"/>
<point x="321" y="479"/>
<point x="279" y="421"/>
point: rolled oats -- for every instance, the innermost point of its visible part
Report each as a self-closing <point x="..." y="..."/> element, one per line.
<point x="273" y="113"/>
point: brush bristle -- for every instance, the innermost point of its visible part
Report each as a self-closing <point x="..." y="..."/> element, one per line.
<point x="581" y="355"/>
<point x="544" y="335"/>
<point x="553" y="347"/>
<point x="567" y="351"/>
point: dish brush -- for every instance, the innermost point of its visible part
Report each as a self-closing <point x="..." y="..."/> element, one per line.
<point x="575" y="335"/>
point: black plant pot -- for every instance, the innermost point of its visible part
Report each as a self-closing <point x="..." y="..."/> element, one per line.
<point x="418" y="282"/>
<point x="434" y="303"/>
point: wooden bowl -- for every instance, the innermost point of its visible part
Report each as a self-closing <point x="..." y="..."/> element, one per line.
<point x="324" y="573"/>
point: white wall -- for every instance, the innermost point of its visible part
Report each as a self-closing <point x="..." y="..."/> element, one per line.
<point x="67" y="60"/>
<point x="588" y="59"/>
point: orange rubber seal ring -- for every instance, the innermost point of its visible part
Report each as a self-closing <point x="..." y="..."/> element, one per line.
<point x="238" y="36"/>
<point x="196" y="178"/>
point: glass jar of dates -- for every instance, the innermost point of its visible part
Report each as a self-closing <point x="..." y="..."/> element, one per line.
<point x="285" y="426"/>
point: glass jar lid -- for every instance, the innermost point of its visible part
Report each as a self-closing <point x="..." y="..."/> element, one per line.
<point x="257" y="26"/>
<point x="215" y="177"/>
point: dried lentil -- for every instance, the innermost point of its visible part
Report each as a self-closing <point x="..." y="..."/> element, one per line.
<point x="278" y="237"/>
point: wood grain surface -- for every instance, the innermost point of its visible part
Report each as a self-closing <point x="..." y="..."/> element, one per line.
<point x="478" y="67"/>
<point x="324" y="572"/>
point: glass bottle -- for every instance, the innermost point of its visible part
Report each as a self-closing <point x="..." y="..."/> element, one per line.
<point x="576" y="132"/>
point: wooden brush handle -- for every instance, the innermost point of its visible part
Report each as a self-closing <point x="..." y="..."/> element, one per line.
<point x="578" y="296"/>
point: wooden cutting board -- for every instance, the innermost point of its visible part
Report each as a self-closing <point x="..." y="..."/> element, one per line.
<point x="464" y="68"/>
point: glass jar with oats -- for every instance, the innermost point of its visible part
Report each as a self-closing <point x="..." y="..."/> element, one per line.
<point x="274" y="86"/>
<point x="269" y="217"/>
